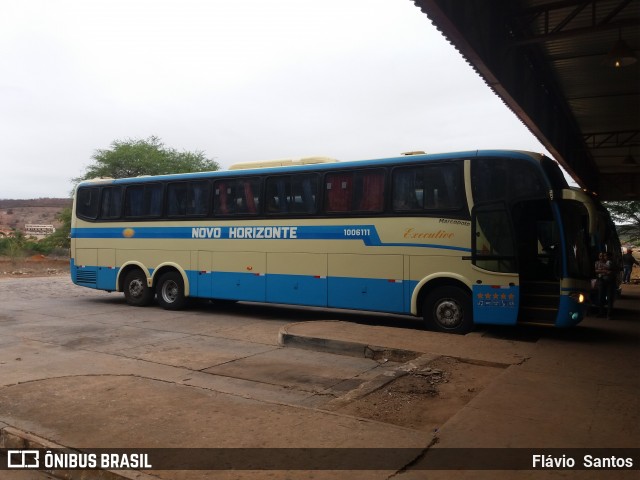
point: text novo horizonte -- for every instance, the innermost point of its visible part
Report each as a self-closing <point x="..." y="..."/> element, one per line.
<point x="244" y="232"/>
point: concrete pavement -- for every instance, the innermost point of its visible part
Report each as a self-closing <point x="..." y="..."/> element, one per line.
<point x="585" y="379"/>
<point x="567" y="389"/>
<point x="577" y="388"/>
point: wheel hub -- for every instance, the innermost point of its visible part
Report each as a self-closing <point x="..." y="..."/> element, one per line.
<point x="448" y="313"/>
<point x="136" y="288"/>
<point x="169" y="291"/>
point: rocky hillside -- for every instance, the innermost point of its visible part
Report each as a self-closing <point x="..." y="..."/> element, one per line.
<point x="17" y="213"/>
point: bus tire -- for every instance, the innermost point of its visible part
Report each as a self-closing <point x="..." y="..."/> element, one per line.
<point x="136" y="291"/>
<point x="170" y="291"/>
<point x="448" y="309"/>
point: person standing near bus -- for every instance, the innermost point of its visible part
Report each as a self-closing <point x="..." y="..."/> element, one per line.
<point x="628" y="261"/>
<point x="603" y="274"/>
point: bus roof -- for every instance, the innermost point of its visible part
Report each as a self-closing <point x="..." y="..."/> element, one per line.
<point x="287" y="162"/>
<point x="320" y="164"/>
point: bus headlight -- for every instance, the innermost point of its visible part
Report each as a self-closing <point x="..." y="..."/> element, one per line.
<point x="578" y="297"/>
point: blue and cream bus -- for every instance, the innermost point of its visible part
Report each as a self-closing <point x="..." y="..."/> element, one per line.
<point x="479" y="237"/>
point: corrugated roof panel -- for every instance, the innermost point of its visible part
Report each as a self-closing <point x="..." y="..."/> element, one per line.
<point x="566" y="43"/>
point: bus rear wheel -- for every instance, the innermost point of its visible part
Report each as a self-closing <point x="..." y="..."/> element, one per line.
<point x="448" y="309"/>
<point x="170" y="291"/>
<point x="136" y="290"/>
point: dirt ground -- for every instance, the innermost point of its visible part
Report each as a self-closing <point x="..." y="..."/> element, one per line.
<point x="34" y="266"/>
<point x="426" y="397"/>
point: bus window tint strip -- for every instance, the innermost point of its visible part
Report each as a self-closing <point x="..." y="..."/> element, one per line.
<point x="415" y="190"/>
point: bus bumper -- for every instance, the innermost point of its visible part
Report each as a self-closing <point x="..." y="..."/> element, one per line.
<point x="572" y="309"/>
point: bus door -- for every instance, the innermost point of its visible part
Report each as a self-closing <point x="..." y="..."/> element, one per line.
<point x="540" y="260"/>
<point x="495" y="297"/>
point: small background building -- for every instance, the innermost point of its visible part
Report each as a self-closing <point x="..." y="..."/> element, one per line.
<point x="38" y="230"/>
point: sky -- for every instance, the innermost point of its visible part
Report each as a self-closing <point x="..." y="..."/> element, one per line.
<point x="240" y="81"/>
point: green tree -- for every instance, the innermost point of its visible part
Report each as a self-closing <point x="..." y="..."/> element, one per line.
<point x="60" y="238"/>
<point x="132" y="158"/>
<point x="16" y="245"/>
<point x="626" y="216"/>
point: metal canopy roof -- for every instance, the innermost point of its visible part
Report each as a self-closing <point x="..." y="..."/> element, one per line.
<point x="548" y="61"/>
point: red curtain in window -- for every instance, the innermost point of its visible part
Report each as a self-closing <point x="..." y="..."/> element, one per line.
<point x="248" y="195"/>
<point x="222" y="196"/>
<point x="338" y="191"/>
<point x="372" y="192"/>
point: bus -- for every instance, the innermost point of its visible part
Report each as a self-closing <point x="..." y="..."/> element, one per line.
<point x="458" y="239"/>
<point x="602" y="232"/>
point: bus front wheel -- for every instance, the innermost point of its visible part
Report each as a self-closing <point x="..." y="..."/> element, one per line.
<point x="448" y="309"/>
<point x="170" y="291"/>
<point x="136" y="290"/>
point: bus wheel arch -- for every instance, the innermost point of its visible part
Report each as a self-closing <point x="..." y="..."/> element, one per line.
<point x="446" y="305"/>
<point x="172" y="287"/>
<point x="133" y="282"/>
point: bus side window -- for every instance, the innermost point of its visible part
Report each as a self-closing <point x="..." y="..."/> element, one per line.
<point x="248" y="195"/>
<point x="370" y="191"/>
<point x="133" y="201"/>
<point x="154" y="200"/>
<point x="292" y="194"/>
<point x="338" y="192"/>
<point x="311" y="194"/>
<point x="111" y="205"/>
<point x="434" y="192"/>
<point x="177" y="199"/>
<point x="221" y="198"/>
<point x="441" y="187"/>
<point x="408" y="190"/>
<point x="303" y="193"/>
<point x="277" y="195"/>
<point x="87" y="202"/>
<point x="143" y="200"/>
<point x="236" y="197"/>
<point x="198" y="198"/>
